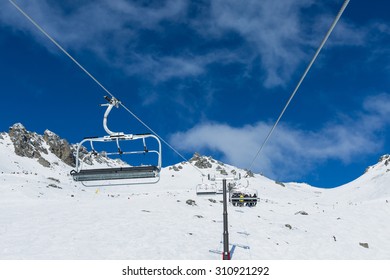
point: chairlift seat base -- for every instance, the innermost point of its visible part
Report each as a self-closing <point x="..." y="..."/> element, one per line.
<point x="117" y="173"/>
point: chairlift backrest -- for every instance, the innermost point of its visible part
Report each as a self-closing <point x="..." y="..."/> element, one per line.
<point x="220" y="177"/>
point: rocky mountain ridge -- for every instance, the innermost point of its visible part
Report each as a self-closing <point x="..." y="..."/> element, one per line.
<point x="33" y="145"/>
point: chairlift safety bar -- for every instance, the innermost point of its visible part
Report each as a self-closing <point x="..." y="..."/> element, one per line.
<point x="120" y="137"/>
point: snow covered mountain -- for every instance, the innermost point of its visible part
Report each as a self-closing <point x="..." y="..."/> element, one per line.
<point x="44" y="214"/>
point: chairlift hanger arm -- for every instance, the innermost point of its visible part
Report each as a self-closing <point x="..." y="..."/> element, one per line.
<point x="112" y="101"/>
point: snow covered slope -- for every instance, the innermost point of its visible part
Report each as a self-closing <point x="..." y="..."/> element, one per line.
<point x="45" y="215"/>
<point x="373" y="185"/>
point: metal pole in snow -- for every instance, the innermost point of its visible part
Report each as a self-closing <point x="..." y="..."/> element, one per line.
<point x="226" y="253"/>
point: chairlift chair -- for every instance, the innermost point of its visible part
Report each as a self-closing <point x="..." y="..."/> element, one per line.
<point x="214" y="186"/>
<point x="243" y="196"/>
<point x="206" y="189"/>
<point x="143" y="174"/>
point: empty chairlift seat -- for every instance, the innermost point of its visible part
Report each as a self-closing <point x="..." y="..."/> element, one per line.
<point x="118" y="175"/>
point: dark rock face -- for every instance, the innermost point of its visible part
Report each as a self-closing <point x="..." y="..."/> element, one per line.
<point x="60" y="147"/>
<point x="27" y="144"/>
<point x="223" y="172"/>
<point x="191" y="202"/>
<point x="31" y="145"/>
<point x="201" y="162"/>
<point x="249" y="173"/>
<point x="302" y="213"/>
<point x="280" y="184"/>
<point x="175" y="168"/>
<point x="44" y="162"/>
<point x="385" y="159"/>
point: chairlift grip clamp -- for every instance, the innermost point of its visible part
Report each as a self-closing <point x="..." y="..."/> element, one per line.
<point x="112" y="101"/>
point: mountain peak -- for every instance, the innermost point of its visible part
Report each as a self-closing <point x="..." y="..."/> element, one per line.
<point x="50" y="133"/>
<point x="32" y="145"/>
<point x="202" y="162"/>
<point x="26" y="143"/>
<point x="385" y="159"/>
<point x="17" y="126"/>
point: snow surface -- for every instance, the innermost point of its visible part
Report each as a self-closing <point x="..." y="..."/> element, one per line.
<point x="44" y="214"/>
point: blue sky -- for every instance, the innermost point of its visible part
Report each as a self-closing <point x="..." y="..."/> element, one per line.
<point x="209" y="76"/>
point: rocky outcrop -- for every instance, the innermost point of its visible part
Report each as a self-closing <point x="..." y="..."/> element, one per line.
<point x="27" y="144"/>
<point x="304" y="213"/>
<point x="176" y="168"/>
<point x="385" y="159"/>
<point x="32" y="145"/>
<point x="60" y="147"/>
<point x="191" y="202"/>
<point x="280" y="184"/>
<point x="201" y="162"/>
<point x="44" y="162"/>
<point x="249" y="173"/>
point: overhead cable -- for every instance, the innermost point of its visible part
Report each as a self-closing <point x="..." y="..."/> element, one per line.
<point x="344" y="6"/>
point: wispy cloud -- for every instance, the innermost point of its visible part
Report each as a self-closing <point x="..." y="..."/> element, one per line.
<point x="268" y="40"/>
<point x="110" y="29"/>
<point x="291" y="150"/>
<point x="160" y="69"/>
<point x="272" y="32"/>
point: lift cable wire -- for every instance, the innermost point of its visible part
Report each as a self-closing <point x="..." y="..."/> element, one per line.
<point x="300" y="81"/>
<point x="98" y="83"/>
<point x="60" y="47"/>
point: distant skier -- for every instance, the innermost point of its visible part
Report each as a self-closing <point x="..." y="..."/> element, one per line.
<point x="247" y="199"/>
<point x="254" y="199"/>
<point x="241" y="201"/>
<point x="235" y="197"/>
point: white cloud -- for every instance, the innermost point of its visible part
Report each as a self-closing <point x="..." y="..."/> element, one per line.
<point x="272" y="27"/>
<point x="292" y="152"/>
<point x="274" y="31"/>
<point x="160" y="69"/>
<point x="281" y="33"/>
<point x="87" y="21"/>
<point x="110" y="29"/>
<point x="163" y="68"/>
